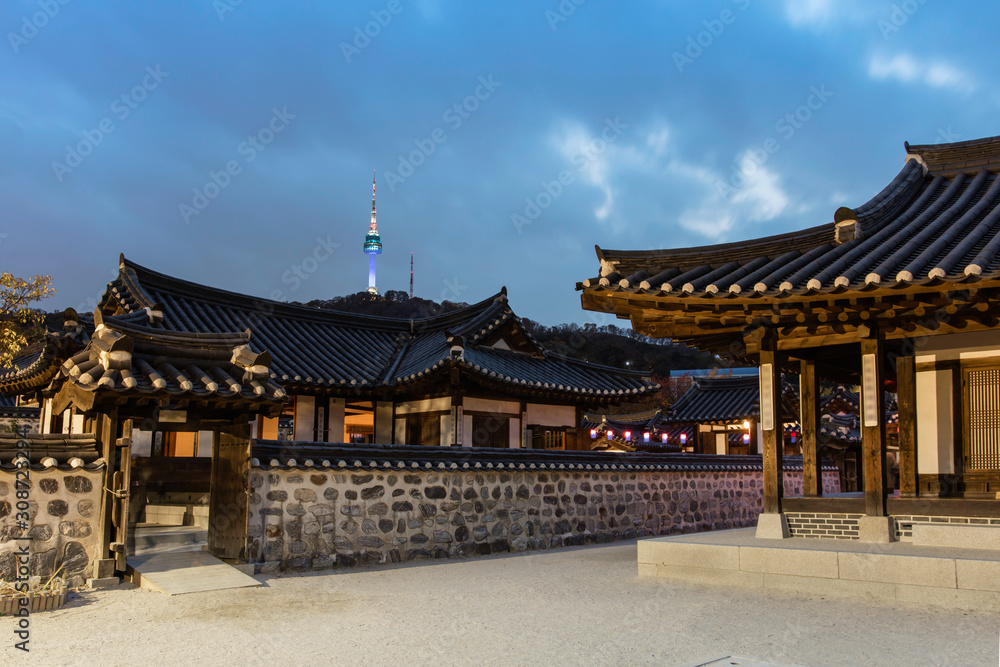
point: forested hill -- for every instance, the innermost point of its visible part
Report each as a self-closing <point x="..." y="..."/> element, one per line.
<point x="608" y="344"/>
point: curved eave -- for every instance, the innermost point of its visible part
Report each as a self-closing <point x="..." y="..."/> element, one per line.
<point x="858" y="289"/>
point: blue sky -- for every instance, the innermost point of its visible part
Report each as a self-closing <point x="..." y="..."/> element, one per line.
<point x="232" y="143"/>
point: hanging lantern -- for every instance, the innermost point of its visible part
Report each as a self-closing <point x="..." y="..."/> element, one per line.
<point x="611" y="434"/>
<point x="645" y="436"/>
<point x="746" y="439"/>
<point x="664" y="438"/>
<point x="684" y="438"/>
<point x="628" y="436"/>
<point x="593" y="433"/>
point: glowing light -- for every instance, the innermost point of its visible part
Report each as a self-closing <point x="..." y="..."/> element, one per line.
<point x="611" y="434"/>
<point x="746" y="438"/>
<point x="684" y="438"/>
<point x="746" y="424"/>
<point x="645" y="436"/>
<point x="628" y="435"/>
<point x="593" y="433"/>
<point x="663" y="438"/>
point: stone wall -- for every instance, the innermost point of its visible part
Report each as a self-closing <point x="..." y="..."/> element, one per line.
<point x="316" y="517"/>
<point x="63" y="514"/>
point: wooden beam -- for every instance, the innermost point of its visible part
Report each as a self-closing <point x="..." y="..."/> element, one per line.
<point x="906" y="392"/>
<point x="873" y="423"/>
<point x="770" y="419"/>
<point x="812" y="473"/>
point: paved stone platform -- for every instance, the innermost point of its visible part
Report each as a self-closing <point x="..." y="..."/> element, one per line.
<point x="959" y="578"/>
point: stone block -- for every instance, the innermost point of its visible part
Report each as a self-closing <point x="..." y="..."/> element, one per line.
<point x="912" y="570"/>
<point x="772" y="527"/>
<point x="706" y="556"/>
<point x="983" y="575"/>
<point x="962" y="536"/>
<point x="103" y="583"/>
<point x="876" y="529"/>
<point x="793" y="562"/>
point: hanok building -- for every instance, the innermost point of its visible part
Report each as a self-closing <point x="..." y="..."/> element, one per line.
<point x="905" y="286"/>
<point x="150" y="407"/>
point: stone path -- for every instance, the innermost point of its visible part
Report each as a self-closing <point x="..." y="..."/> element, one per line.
<point x="561" y="607"/>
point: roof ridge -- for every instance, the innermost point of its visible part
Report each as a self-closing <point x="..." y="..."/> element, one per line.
<point x="226" y="297"/>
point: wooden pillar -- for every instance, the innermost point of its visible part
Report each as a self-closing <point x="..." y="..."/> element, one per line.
<point x="812" y="471"/>
<point x="906" y="403"/>
<point x="770" y="419"/>
<point x="107" y="435"/>
<point x="873" y="420"/>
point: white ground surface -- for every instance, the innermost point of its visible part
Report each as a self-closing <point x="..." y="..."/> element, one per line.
<point x="580" y="606"/>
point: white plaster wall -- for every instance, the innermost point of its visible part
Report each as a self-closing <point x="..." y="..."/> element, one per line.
<point x="305" y="418"/>
<point x="205" y="441"/>
<point x="934" y="423"/>
<point x="335" y="420"/>
<point x="142" y="443"/>
<point x="976" y="345"/>
<point x="447" y="430"/>
<point x="426" y="405"/>
<point x="495" y="407"/>
<point x="401" y="431"/>
<point x="550" y="415"/>
<point x="516" y="433"/>
<point x="466" y="430"/>
<point x="720" y="443"/>
<point x="45" y="418"/>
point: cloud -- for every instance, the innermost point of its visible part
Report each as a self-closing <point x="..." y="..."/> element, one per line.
<point x="808" y="12"/>
<point x="760" y="198"/>
<point x="822" y="13"/>
<point x="905" y="68"/>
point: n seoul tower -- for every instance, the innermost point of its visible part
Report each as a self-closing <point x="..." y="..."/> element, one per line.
<point x="373" y="244"/>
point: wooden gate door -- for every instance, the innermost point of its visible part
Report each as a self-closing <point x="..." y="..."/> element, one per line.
<point x="227" y="518"/>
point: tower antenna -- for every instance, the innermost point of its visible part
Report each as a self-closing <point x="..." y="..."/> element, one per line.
<point x="411" y="274"/>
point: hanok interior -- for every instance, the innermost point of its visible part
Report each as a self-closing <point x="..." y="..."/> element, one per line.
<point x="904" y="288"/>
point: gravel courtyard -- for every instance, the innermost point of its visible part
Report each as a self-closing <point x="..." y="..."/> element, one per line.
<point x="571" y="606"/>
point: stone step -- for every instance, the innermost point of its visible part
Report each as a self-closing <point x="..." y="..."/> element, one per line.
<point x="956" y="577"/>
<point x="961" y="536"/>
<point x="157" y="536"/>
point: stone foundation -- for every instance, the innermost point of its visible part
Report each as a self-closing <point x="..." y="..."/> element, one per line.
<point x="846" y="526"/>
<point x="63" y="512"/>
<point x="315" y="518"/>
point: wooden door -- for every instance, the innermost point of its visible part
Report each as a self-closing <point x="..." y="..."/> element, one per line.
<point x="227" y="517"/>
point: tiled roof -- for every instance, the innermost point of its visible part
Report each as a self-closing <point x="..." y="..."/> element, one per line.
<point x="312" y="347"/>
<point x="937" y="223"/>
<point x="274" y="454"/>
<point x="718" y="400"/>
<point x="36" y="365"/>
<point x="139" y="360"/>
